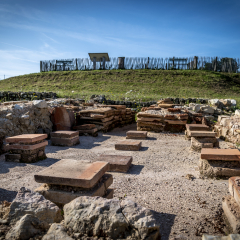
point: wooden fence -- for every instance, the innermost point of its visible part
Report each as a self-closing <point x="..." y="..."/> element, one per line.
<point x="202" y="63"/>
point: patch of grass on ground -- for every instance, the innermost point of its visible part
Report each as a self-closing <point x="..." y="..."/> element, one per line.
<point x="138" y="85"/>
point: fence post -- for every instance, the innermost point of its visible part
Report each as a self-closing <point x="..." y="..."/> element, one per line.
<point x="76" y="64"/>
<point x="121" y="62"/>
<point x="40" y="66"/>
<point x="172" y="62"/>
<point x="195" y="62"/>
<point x="94" y="63"/>
<point x="103" y="64"/>
<point x="215" y="65"/>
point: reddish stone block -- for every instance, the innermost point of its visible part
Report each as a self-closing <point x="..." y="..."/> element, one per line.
<point x="220" y="154"/>
<point x="201" y="134"/>
<point x="197" y="127"/>
<point x="65" y="141"/>
<point x="136" y="135"/>
<point x="117" y="163"/>
<point x="70" y="172"/>
<point x="64" y="134"/>
<point x="26" y="147"/>
<point x="26" y="138"/>
<point x="128" y="145"/>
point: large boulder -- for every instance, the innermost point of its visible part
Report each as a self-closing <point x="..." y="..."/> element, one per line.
<point x="207" y="109"/>
<point x="28" y="202"/>
<point x="214" y="102"/>
<point x="96" y="216"/>
<point x="28" y="226"/>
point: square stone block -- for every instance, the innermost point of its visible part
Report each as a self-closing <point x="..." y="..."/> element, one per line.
<point x="136" y="135"/>
<point x="201" y="134"/>
<point x="197" y="127"/>
<point x="65" y="141"/>
<point x="26" y="138"/>
<point x="117" y="163"/>
<point x="25" y="147"/>
<point x="70" y="172"/>
<point x="234" y="188"/>
<point x="84" y="127"/>
<point x="62" y="195"/>
<point x="220" y="154"/>
<point x="128" y="145"/>
<point x="64" y="134"/>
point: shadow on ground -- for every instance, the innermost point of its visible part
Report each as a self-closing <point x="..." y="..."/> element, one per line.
<point x="7" y="195"/>
<point x="166" y="221"/>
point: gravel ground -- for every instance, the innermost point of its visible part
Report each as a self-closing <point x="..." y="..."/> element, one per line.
<point x="163" y="177"/>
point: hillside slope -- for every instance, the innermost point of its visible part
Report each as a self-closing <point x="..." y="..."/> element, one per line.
<point x="132" y="84"/>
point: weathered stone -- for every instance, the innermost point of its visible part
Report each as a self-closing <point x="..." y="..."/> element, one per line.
<point x="60" y="196"/>
<point x="232" y="212"/>
<point x="128" y="145"/>
<point x="201" y="134"/>
<point x="27" y="202"/>
<point x="117" y="163"/>
<point x="234" y="188"/>
<point x="64" y="134"/>
<point x="56" y="232"/>
<point x="198" y="143"/>
<point x="12" y="157"/>
<point x="26" y="147"/>
<point x="136" y="135"/>
<point x="95" y="216"/>
<point x="40" y="104"/>
<point x="26" y="138"/>
<point x="221" y="154"/>
<point x="207" y="109"/>
<point x="28" y="226"/>
<point x="197" y="127"/>
<point x="72" y="172"/>
<point x="229" y="237"/>
<point x="61" y="119"/>
<point x="84" y="127"/>
<point x="65" y="141"/>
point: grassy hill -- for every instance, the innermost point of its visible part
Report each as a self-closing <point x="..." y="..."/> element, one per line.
<point x="117" y="84"/>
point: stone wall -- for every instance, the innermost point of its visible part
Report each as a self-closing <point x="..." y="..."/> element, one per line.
<point x="24" y="118"/>
<point x="16" y="96"/>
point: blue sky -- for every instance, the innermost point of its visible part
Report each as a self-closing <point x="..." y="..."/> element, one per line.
<point x="34" y="30"/>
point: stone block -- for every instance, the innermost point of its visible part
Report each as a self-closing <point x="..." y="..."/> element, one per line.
<point x="220" y="154"/>
<point x="64" y="134"/>
<point x="198" y="143"/>
<point x="234" y="188"/>
<point x="201" y="134"/>
<point x="216" y="168"/>
<point x="84" y="127"/>
<point x="61" y="195"/>
<point x="197" y="127"/>
<point x="232" y="212"/>
<point x="229" y="237"/>
<point x="117" y="163"/>
<point x="12" y="157"/>
<point x="176" y="122"/>
<point x="70" y="172"/>
<point x="65" y="141"/>
<point x="26" y="138"/>
<point x="128" y="145"/>
<point x="25" y="147"/>
<point x="91" y="131"/>
<point x="136" y="135"/>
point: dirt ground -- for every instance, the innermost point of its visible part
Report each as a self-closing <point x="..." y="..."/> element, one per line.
<point x="164" y="177"/>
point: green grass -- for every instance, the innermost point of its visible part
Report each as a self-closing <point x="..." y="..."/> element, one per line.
<point x="145" y="84"/>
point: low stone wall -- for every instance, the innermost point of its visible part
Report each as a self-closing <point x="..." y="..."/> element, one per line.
<point x="16" y="96"/>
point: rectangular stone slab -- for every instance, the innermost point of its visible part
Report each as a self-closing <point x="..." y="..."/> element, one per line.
<point x="26" y="138"/>
<point x="176" y="122"/>
<point x="64" y="134"/>
<point x="65" y="141"/>
<point x="234" y="188"/>
<point x="70" y="172"/>
<point x="197" y="127"/>
<point x="220" y="154"/>
<point x="61" y="197"/>
<point x="117" y="163"/>
<point x="136" y="134"/>
<point x="25" y="147"/>
<point x="128" y="145"/>
<point x="201" y="134"/>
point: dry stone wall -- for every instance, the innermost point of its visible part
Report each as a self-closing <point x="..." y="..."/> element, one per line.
<point x="24" y="118"/>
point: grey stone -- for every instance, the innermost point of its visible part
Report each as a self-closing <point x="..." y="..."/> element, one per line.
<point x="56" y="232"/>
<point x="40" y="103"/>
<point x="229" y="237"/>
<point x="28" y="226"/>
<point x="207" y="109"/>
<point x="110" y="217"/>
<point x="28" y="202"/>
<point x="213" y="102"/>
